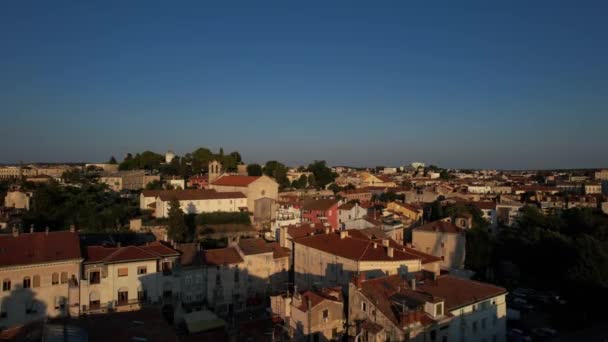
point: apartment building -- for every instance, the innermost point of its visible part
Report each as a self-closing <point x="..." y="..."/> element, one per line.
<point x="127" y="180"/>
<point x="322" y="211"/>
<point x="121" y="278"/>
<point x="316" y="315"/>
<point x="348" y="212"/>
<point x="40" y="274"/>
<point x="442" y="239"/>
<point x="330" y="258"/>
<point x="426" y="307"/>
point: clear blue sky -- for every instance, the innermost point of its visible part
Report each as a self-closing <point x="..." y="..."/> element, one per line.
<point x="521" y="84"/>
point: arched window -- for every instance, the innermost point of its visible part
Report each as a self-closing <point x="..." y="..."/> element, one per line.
<point x="36" y="282"/>
<point x="55" y="278"/>
<point x="27" y="282"/>
<point x="64" y="277"/>
<point x="6" y="285"/>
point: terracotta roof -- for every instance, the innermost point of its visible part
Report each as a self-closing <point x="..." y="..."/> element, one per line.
<point x="198" y="194"/>
<point x="152" y="193"/>
<point x="319" y="204"/>
<point x="235" y="180"/>
<point x="347" y="206"/>
<point x="155" y="250"/>
<point x="355" y="248"/>
<point x="485" y="205"/>
<point x="221" y="256"/>
<point x="305" y="229"/>
<point x="455" y="292"/>
<point x="440" y="226"/>
<point x="317" y="297"/>
<point x="260" y="246"/>
<point x="35" y="248"/>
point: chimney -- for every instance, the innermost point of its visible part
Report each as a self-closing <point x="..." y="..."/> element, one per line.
<point x="413" y="284"/>
<point x="46" y="230"/>
<point x="375" y="245"/>
<point x="118" y="244"/>
<point x="31" y="228"/>
<point x="389" y="251"/>
<point x="72" y="228"/>
<point x="343" y="234"/>
<point x="15" y="231"/>
<point x="326" y="230"/>
<point x="358" y="279"/>
<point x="385" y="242"/>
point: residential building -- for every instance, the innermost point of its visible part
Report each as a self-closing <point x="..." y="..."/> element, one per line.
<point x="102" y="166"/>
<point x="426" y="307"/>
<point x="194" y="201"/>
<point x="316" y="315"/>
<point x="361" y="195"/>
<point x="323" y="211"/>
<point x="331" y="258"/>
<point x="40" y="273"/>
<point x="601" y="175"/>
<point x="349" y="212"/>
<point x="411" y="211"/>
<point x="442" y="239"/>
<point x="593" y="188"/>
<point x="369" y="179"/>
<point x="508" y="212"/>
<point x="127" y="180"/>
<point x="488" y="212"/>
<point x="121" y="278"/>
<point x="18" y="199"/>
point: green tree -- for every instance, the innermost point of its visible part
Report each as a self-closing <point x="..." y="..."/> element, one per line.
<point x="277" y="171"/>
<point x="177" y="230"/>
<point x="322" y="174"/>
<point x="300" y="183"/>
<point x="154" y="185"/>
<point x="254" y="170"/>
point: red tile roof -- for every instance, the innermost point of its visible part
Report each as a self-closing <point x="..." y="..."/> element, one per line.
<point x="260" y="246"/>
<point x="455" y="292"/>
<point x="317" y="297"/>
<point x="319" y="204"/>
<point x="440" y="226"/>
<point x="221" y="256"/>
<point x="36" y="248"/>
<point x="305" y="229"/>
<point x="235" y="180"/>
<point x="485" y="205"/>
<point x="155" y="250"/>
<point x="357" y="248"/>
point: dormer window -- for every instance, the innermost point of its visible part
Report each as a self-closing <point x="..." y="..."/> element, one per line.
<point x="439" y="309"/>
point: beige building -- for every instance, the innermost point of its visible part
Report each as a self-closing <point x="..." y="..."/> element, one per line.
<point x="122" y="278"/>
<point x="127" y="180"/>
<point x="17" y="199"/>
<point x="593" y="188"/>
<point x="196" y="201"/>
<point x="243" y="275"/>
<point x="316" y="315"/>
<point x="103" y="166"/>
<point x="601" y="175"/>
<point x="442" y="239"/>
<point x="40" y="275"/>
<point x="255" y="188"/>
<point x="330" y="259"/>
<point x="410" y="210"/>
<point x="426" y="307"/>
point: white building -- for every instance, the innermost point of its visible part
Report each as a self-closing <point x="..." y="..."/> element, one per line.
<point x="197" y="201"/>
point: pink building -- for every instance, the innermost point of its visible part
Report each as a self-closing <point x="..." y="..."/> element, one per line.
<point x="320" y="211"/>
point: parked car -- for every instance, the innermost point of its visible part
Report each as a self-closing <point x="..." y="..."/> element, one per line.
<point x="518" y="335"/>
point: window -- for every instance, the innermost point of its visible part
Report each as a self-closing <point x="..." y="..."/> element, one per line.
<point x="94" y="277"/>
<point x="439" y="309"/>
<point x="142" y="270"/>
<point x="123" y="296"/>
<point x="36" y="281"/>
<point x="123" y="272"/>
<point x="363" y="306"/>
<point x="6" y="285"/>
<point x="55" y="278"/>
<point x="64" y="277"/>
<point x="483" y="324"/>
<point x="433" y="335"/>
<point x="236" y="275"/>
<point x="474" y="326"/>
<point x="494" y="319"/>
<point x="27" y="282"/>
<point x="325" y="315"/>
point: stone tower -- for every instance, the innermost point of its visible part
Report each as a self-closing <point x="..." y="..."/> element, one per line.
<point x="215" y="170"/>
